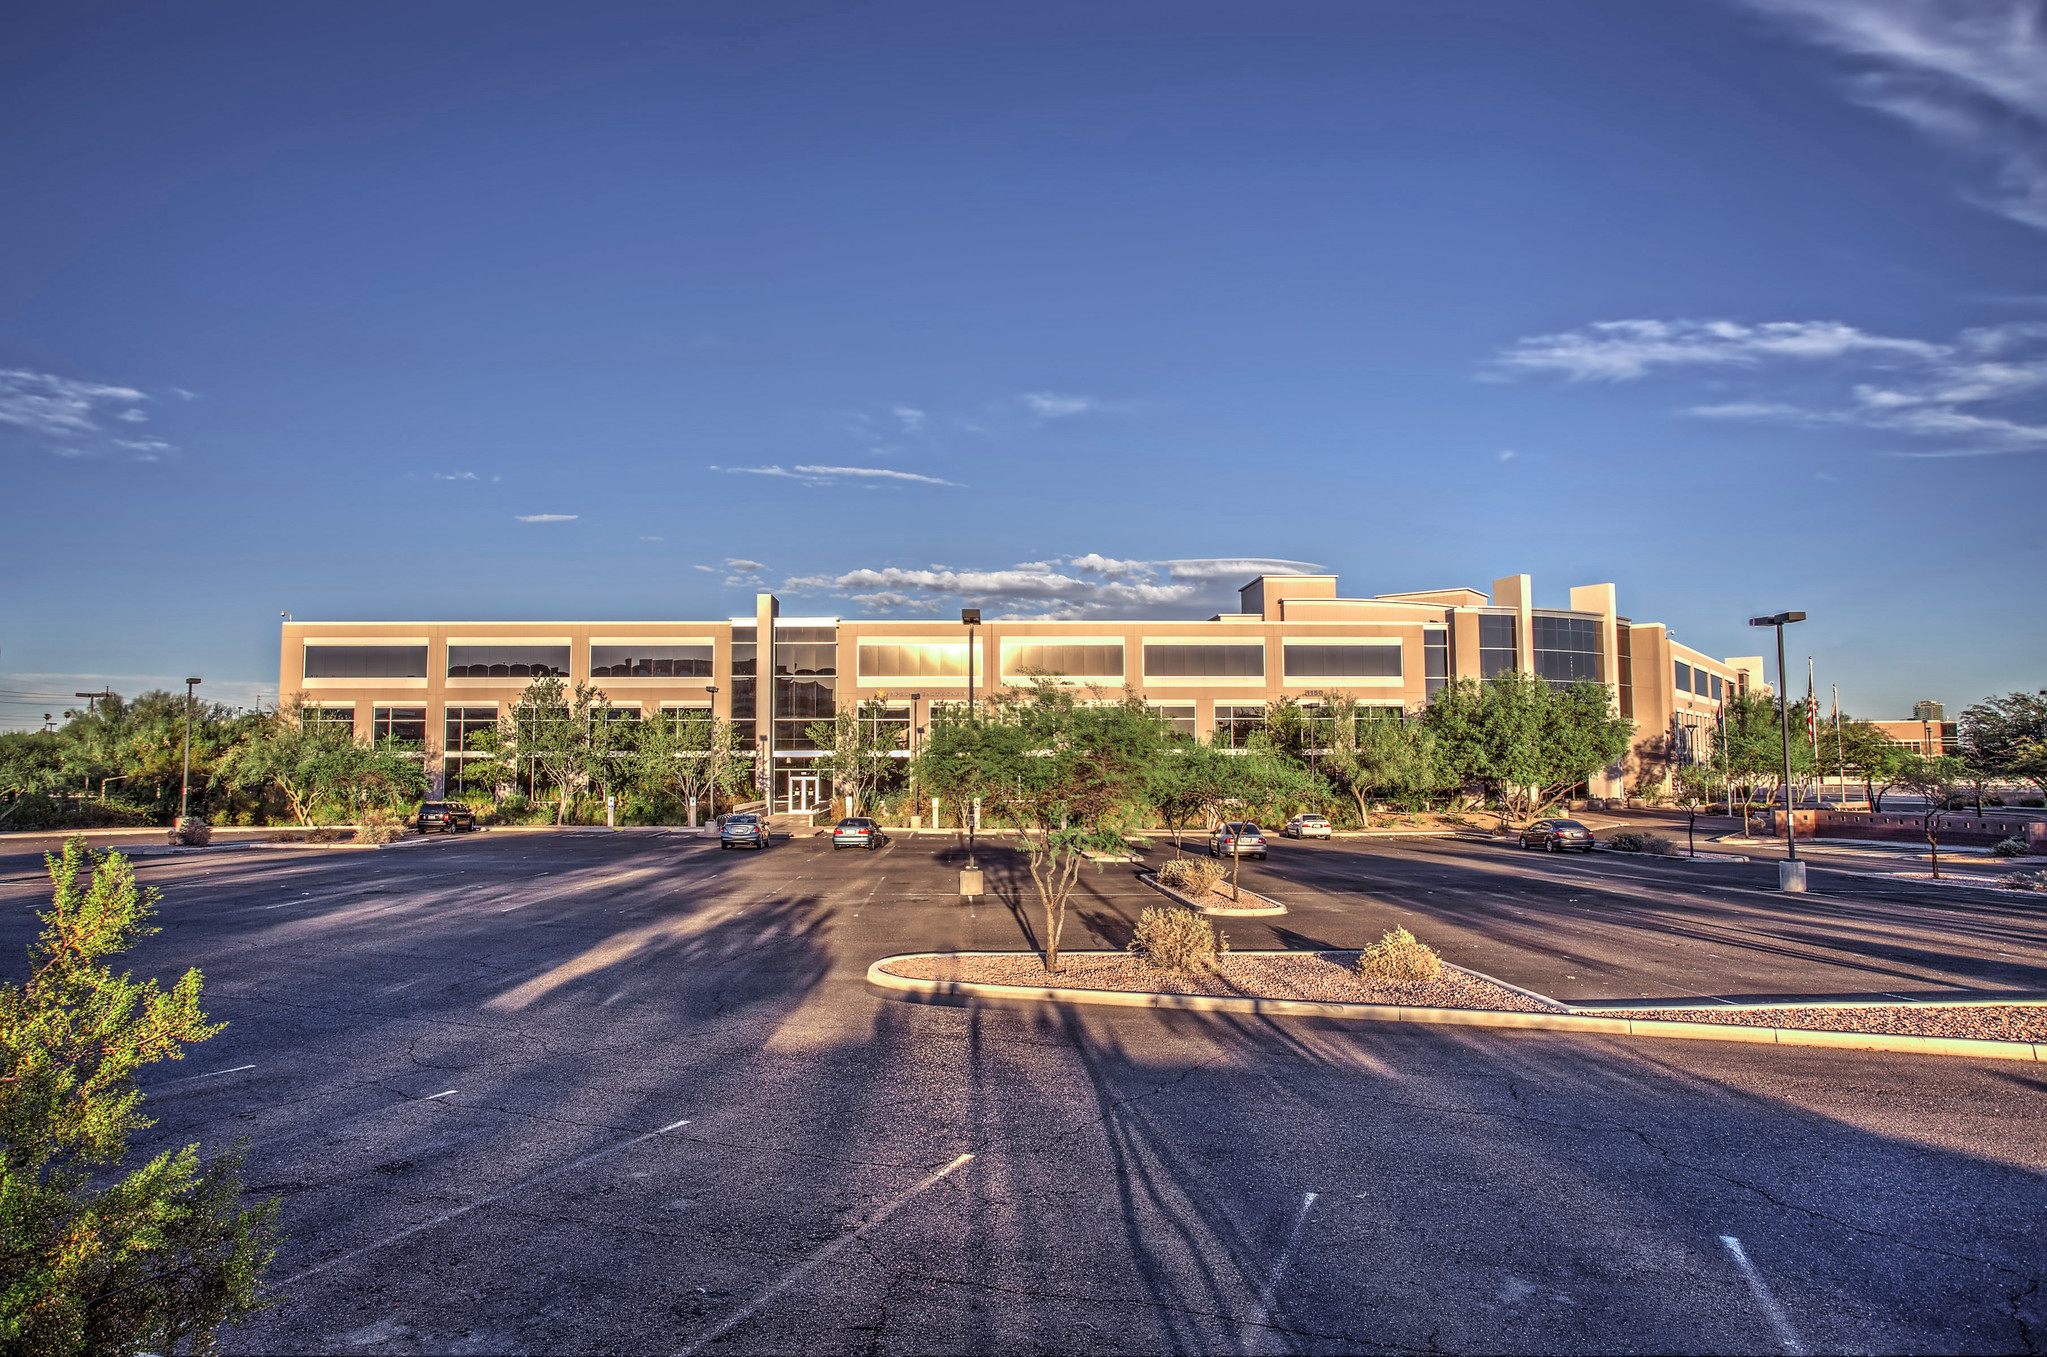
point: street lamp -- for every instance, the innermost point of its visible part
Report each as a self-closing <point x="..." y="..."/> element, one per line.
<point x="1796" y="872"/>
<point x="185" y="790"/>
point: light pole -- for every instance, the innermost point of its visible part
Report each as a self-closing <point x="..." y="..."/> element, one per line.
<point x="970" y="618"/>
<point x="1779" y="621"/>
<point x="185" y="790"/>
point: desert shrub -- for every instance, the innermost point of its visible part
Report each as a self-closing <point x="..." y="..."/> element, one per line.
<point x="1170" y="938"/>
<point x="1398" y="955"/>
<point x="2011" y="848"/>
<point x="328" y="834"/>
<point x="1656" y="843"/>
<point x="379" y="826"/>
<point x="2026" y="881"/>
<point x="287" y="836"/>
<point x="1627" y="841"/>
<point x="192" y="832"/>
<point x="1191" y="876"/>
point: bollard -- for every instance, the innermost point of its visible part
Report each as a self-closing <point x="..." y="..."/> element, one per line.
<point x="1791" y="876"/>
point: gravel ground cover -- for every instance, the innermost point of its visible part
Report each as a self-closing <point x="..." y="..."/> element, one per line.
<point x="1323" y="977"/>
<point x="2005" y="1022"/>
<point x="1219" y="897"/>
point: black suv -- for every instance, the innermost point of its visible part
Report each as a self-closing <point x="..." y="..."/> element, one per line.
<point x="449" y="817"/>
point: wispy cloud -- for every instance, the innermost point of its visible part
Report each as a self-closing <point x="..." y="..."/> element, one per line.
<point x="1915" y="387"/>
<point x="826" y="475"/>
<point x="650" y="537"/>
<point x="910" y="417"/>
<point x="1055" y="404"/>
<point x="456" y="476"/>
<point x="741" y="563"/>
<point x="70" y="417"/>
<point x="547" y="518"/>
<point x="1969" y="74"/>
<point x="1092" y="585"/>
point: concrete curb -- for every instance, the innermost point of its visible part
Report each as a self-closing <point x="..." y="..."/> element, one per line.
<point x="143" y="850"/>
<point x="1272" y="907"/>
<point x="2015" y="895"/>
<point x="1451" y="1017"/>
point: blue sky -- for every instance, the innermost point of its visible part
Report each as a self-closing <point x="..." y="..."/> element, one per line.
<point x="626" y="311"/>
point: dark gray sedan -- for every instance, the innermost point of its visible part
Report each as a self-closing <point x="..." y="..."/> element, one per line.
<point x="1557" y="835"/>
<point x="744" y="831"/>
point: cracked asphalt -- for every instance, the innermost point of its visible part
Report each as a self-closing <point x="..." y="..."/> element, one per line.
<point x="587" y="1093"/>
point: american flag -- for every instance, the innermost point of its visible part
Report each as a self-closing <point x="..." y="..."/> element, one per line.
<point x="1812" y="710"/>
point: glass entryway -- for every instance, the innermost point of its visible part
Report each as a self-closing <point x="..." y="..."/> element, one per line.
<point x="803" y="792"/>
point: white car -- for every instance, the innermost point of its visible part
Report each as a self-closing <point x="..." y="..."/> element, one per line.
<point x="1307" y="827"/>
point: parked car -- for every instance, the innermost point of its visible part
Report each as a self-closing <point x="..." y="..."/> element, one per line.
<point x="857" y="831"/>
<point x="450" y="817"/>
<point x="1238" y="838"/>
<point x="1308" y="827"/>
<point x="745" y="830"/>
<point x="1557" y="835"/>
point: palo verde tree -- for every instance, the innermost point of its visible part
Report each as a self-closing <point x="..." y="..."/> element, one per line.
<point x="553" y="736"/>
<point x="93" y="1260"/>
<point x="1862" y="751"/>
<point x="1939" y="780"/>
<point x="1052" y="767"/>
<point x="1369" y="752"/>
<point x="859" y="751"/>
<point x="1527" y="742"/>
<point x="311" y="762"/>
<point x="692" y="755"/>
<point x="2007" y="736"/>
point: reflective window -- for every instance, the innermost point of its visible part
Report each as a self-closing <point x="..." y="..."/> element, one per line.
<point x="365" y="661"/>
<point x="1179" y="715"/>
<point x="1566" y="650"/>
<point x="1235" y="723"/>
<point x="1204" y="661"/>
<point x="1495" y="645"/>
<point x="1072" y="660"/>
<point x="937" y="659"/>
<point x="805" y="659"/>
<point x="1436" y="658"/>
<point x="507" y="661"/>
<point x="1700" y="680"/>
<point x="1716" y="688"/>
<point x="461" y="722"/>
<point x="1684" y="677"/>
<point x="1312" y="661"/>
<point x="339" y="717"/>
<point x="399" y="723"/>
<point x="650" y="661"/>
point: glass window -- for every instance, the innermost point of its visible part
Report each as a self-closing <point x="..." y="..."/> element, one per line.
<point x="1436" y="658"/>
<point x="1312" y="661"/>
<point x="507" y="661"/>
<point x="1071" y="660"/>
<point x="1496" y="646"/>
<point x="938" y="659"/>
<point x="650" y="661"/>
<point x="805" y="659"/>
<point x="815" y="635"/>
<point x="1566" y="650"/>
<point x="1179" y="715"/>
<point x="805" y="699"/>
<point x="1716" y="688"/>
<point x="1235" y="723"/>
<point x="461" y="722"/>
<point x="399" y="723"/>
<point x="342" y="717"/>
<point x="1626" y="647"/>
<point x="365" y="661"/>
<point x="1699" y="681"/>
<point x="1204" y="661"/>
<point x="1684" y="677"/>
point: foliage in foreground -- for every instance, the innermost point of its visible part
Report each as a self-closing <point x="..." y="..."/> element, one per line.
<point x="1398" y="955"/>
<point x="91" y="1262"/>
<point x="1170" y="938"/>
<point x="1194" y="877"/>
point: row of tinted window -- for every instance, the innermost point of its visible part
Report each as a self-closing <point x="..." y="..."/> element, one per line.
<point x="1204" y="661"/>
<point x="1496" y="647"/>
<point x="936" y="660"/>
<point x="1076" y="660"/>
<point x="1566" y="650"/>
<point x="1312" y="661"/>
<point x="650" y="662"/>
<point x="507" y="661"/>
<point x="1697" y="681"/>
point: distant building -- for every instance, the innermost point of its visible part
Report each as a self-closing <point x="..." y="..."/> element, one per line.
<point x="434" y="682"/>
<point x="1926" y="733"/>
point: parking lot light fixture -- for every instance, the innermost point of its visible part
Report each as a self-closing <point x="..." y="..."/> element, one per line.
<point x="970" y="618"/>
<point x="185" y="789"/>
<point x="1779" y="621"/>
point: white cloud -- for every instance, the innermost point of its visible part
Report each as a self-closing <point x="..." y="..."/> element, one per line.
<point x="1925" y="389"/>
<point x="741" y="563"/>
<point x="825" y="475"/>
<point x="1508" y="454"/>
<point x="456" y="476"/>
<point x="707" y="569"/>
<point x="547" y="518"/>
<point x="1095" y="586"/>
<point x="1055" y="405"/>
<point x="71" y="416"/>
<point x="648" y="538"/>
<point x="1970" y="74"/>
<point x="911" y="418"/>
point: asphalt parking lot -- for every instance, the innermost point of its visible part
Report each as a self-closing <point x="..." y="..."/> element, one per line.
<point x="537" y="1093"/>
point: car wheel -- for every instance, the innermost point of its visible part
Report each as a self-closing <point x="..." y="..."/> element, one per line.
<point x="1554" y="846"/>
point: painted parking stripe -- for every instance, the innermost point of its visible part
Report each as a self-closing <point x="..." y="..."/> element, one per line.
<point x="1261" y="1318"/>
<point x="461" y="1211"/>
<point x="193" y="1078"/>
<point x="1787" y="1337"/>
<point x="824" y="1255"/>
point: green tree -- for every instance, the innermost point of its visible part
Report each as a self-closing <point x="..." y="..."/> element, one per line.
<point x="2007" y="736"/>
<point x="1864" y="752"/>
<point x="1939" y="780"/>
<point x="859" y="751"/>
<point x="92" y="1261"/>
<point x="1751" y="749"/>
<point x="1368" y="753"/>
<point x="691" y="755"/>
<point x="1187" y="781"/>
<point x="1527" y="742"/>
<point x="1053" y="768"/>
<point x="305" y="760"/>
<point x="559" y="737"/>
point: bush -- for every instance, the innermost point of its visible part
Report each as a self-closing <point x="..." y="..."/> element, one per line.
<point x="2012" y="848"/>
<point x="2026" y="881"/>
<point x="327" y="834"/>
<point x="1399" y="956"/>
<point x="192" y="832"/>
<point x="1191" y="876"/>
<point x="1627" y="841"/>
<point x="1170" y="938"/>
<point x="2034" y="802"/>
<point x="1656" y="843"/>
<point x="379" y="826"/>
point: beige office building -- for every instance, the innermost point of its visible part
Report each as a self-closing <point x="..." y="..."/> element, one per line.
<point x="434" y="682"/>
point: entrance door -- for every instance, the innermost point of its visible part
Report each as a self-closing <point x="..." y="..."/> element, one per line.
<point x="803" y="792"/>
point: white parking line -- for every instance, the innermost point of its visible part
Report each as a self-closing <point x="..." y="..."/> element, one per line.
<point x="1787" y="1337"/>
<point x="1261" y="1318"/>
<point x="208" y="1075"/>
<point x="823" y="1255"/>
<point x="442" y="1094"/>
<point x="460" y="1211"/>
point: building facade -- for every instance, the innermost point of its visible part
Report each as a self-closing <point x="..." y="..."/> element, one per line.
<point x="436" y="682"/>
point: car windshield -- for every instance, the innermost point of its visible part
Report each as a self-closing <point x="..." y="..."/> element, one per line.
<point x="1314" y="819"/>
<point x="433" y="805"/>
<point x="1568" y="824"/>
<point x="854" y="824"/>
<point x="1241" y="827"/>
<point x="739" y="819"/>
